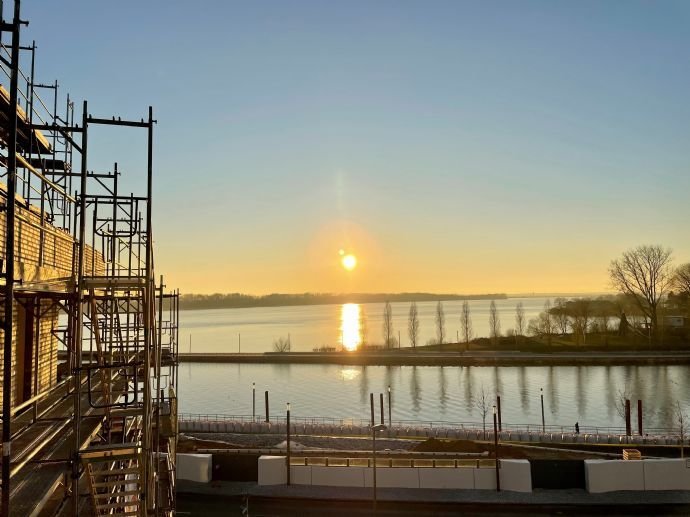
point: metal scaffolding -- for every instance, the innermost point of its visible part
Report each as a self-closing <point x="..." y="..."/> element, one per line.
<point x="90" y="339"/>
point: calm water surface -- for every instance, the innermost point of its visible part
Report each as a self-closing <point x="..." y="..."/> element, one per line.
<point x="584" y="394"/>
<point x="312" y="326"/>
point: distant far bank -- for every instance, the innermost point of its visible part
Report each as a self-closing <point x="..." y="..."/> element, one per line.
<point x="239" y="301"/>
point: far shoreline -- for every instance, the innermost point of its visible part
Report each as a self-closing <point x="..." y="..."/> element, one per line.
<point x="426" y="358"/>
<point x="312" y="300"/>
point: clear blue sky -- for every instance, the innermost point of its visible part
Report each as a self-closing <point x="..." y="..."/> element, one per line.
<point x="452" y="146"/>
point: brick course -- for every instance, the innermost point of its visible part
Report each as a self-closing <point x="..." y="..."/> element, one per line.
<point x="58" y="261"/>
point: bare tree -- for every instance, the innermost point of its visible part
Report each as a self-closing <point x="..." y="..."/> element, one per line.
<point x="560" y="314"/>
<point x="621" y="397"/>
<point x="548" y="323"/>
<point x="681" y="278"/>
<point x="580" y="315"/>
<point x="388" y="325"/>
<point x="440" y="323"/>
<point x="681" y="427"/>
<point x="363" y="328"/>
<point x="494" y="323"/>
<point x="466" y="323"/>
<point x="645" y="273"/>
<point x="542" y="325"/>
<point x="604" y="310"/>
<point x="483" y="405"/>
<point x="281" y="344"/>
<point x="413" y="325"/>
<point x="519" y="320"/>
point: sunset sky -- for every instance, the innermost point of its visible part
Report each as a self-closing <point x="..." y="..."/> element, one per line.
<point x="463" y="147"/>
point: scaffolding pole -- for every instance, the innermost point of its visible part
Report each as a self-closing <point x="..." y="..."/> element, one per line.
<point x="9" y="260"/>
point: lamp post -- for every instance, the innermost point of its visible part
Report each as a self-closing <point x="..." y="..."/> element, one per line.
<point x="288" y="444"/>
<point x="374" y="430"/>
<point x="498" y="473"/>
<point x="253" y="402"/>
<point x="543" y="422"/>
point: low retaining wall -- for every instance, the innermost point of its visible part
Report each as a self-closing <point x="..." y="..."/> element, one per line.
<point x="514" y="474"/>
<point x="194" y="467"/>
<point x="639" y="475"/>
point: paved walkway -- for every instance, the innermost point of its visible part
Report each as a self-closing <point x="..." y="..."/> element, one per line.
<point x="571" y="497"/>
<point x="426" y="358"/>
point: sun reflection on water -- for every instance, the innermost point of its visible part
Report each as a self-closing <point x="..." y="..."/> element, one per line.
<point x="350" y="335"/>
<point x="349" y="374"/>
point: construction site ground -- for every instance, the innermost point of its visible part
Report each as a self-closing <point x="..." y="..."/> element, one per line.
<point x="199" y="442"/>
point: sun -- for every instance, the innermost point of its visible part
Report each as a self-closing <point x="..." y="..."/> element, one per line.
<point x="349" y="262"/>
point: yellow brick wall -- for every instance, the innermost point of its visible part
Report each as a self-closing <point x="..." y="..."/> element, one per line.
<point x="59" y="261"/>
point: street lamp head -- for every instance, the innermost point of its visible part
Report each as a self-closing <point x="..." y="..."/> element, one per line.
<point x="288" y="406"/>
<point x="494" y="410"/>
<point x="253" y="385"/>
<point x="389" y="388"/>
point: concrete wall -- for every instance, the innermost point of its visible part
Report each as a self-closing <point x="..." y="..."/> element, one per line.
<point x="515" y="476"/>
<point x="607" y="476"/>
<point x="457" y="478"/>
<point x="195" y="467"/>
<point x="405" y="477"/>
<point x="611" y="475"/>
<point x="273" y="470"/>
<point x="667" y="474"/>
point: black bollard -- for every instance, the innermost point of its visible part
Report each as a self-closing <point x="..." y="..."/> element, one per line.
<point x="266" y="397"/>
<point x="371" y="401"/>
<point x="628" y="427"/>
<point x="543" y="421"/>
<point x="381" y="402"/>
<point x="498" y="408"/>
<point x="639" y="417"/>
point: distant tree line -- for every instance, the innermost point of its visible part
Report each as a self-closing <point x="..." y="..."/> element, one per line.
<point x="239" y="300"/>
<point x="650" y="289"/>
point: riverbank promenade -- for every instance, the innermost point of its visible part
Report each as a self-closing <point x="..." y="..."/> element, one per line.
<point x="408" y="357"/>
<point x="225" y="498"/>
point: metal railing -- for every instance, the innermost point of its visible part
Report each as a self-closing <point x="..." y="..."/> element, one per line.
<point x="429" y="424"/>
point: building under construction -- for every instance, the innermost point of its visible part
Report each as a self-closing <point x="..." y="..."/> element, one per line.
<point x="89" y="350"/>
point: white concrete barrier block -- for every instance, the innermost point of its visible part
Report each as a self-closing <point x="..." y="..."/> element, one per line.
<point x="390" y="477"/>
<point x="612" y="475"/>
<point x="516" y="475"/>
<point x="272" y="470"/>
<point x="484" y="479"/>
<point x="672" y="474"/>
<point x="338" y="476"/>
<point x="194" y="467"/>
<point x="300" y="475"/>
<point x="461" y="478"/>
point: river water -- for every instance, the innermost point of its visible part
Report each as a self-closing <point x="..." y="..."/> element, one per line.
<point x="312" y="326"/>
<point x="584" y="394"/>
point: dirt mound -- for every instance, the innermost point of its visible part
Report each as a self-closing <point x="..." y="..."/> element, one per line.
<point x="436" y="445"/>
